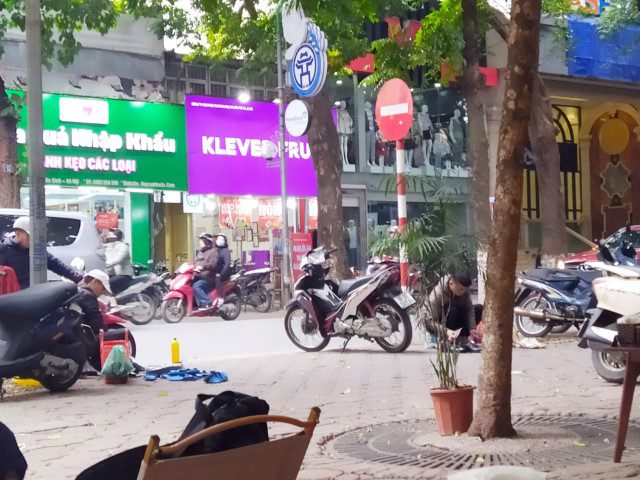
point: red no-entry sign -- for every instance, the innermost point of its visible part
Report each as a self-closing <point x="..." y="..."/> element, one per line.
<point x="394" y="109"/>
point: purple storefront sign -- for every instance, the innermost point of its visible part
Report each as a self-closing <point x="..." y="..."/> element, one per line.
<point x="256" y="259"/>
<point x="224" y="148"/>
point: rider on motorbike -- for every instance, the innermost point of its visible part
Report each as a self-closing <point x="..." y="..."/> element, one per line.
<point x="116" y="252"/>
<point x="94" y="285"/>
<point x="14" y="253"/>
<point x="224" y="265"/>
<point x="206" y="268"/>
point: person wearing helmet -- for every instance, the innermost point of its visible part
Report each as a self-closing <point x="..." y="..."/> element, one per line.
<point x="205" y="270"/>
<point x="94" y="284"/>
<point x="116" y="254"/>
<point x="224" y="265"/>
<point x="14" y="253"/>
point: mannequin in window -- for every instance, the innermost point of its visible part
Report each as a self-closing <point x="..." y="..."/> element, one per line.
<point x="456" y="134"/>
<point x="371" y="136"/>
<point x="441" y="149"/>
<point x="427" y="130"/>
<point x="352" y="253"/>
<point x="345" y="129"/>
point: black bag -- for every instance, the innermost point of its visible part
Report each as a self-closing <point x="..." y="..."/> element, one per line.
<point x="222" y="408"/>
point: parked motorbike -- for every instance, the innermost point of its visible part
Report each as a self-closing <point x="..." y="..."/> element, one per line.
<point x="252" y="289"/>
<point x="551" y="299"/>
<point x="372" y="307"/>
<point x="618" y="295"/>
<point x="114" y="328"/>
<point x="179" y="302"/>
<point x="377" y="263"/>
<point x="40" y="335"/>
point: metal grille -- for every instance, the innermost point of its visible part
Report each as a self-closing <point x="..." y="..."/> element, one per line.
<point x="393" y="444"/>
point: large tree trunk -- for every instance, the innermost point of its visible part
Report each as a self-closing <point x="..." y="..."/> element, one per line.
<point x="542" y="135"/>
<point x="325" y="150"/>
<point x="493" y="412"/>
<point x="477" y="142"/>
<point x="10" y="180"/>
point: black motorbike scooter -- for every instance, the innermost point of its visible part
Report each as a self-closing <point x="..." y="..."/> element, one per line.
<point x="40" y="335"/>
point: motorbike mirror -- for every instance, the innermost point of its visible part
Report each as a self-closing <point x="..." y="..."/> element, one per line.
<point x="78" y="264"/>
<point x="150" y="262"/>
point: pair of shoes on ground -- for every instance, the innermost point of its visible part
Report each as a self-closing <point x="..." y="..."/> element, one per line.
<point x="467" y="346"/>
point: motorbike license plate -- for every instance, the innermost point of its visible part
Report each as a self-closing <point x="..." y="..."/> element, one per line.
<point x="404" y="300"/>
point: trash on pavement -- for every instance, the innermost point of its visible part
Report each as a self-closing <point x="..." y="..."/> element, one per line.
<point x="117" y="365"/>
<point x="185" y="375"/>
<point x="530" y="343"/>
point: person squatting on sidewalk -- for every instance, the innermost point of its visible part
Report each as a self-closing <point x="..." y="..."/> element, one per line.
<point x="451" y="299"/>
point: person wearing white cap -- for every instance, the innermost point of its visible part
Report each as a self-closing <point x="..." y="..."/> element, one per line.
<point x="15" y="254"/>
<point x="94" y="285"/>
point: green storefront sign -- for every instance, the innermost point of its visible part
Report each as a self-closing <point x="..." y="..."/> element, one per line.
<point x="111" y="143"/>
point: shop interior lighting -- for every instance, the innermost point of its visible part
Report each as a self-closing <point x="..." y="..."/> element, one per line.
<point x="338" y="82"/>
<point x="291" y="203"/>
<point x="276" y="100"/>
<point x="244" y="97"/>
<point x="437" y="85"/>
<point x="337" y="103"/>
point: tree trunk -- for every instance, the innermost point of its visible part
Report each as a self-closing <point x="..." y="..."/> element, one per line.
<point x="325" y="150"/>
<point x="542" y="135"/>
<point x="10" y="180"/>
<point x="493" y="412"/>
<point x="477" y="140"/>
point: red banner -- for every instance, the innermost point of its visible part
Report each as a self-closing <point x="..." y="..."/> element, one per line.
<point x="106" y="220"/>
<point x="301" y="243"/>
<point x="313" y="214"/>
<point x="269" y="216"/>
<point x="233" y="214"/>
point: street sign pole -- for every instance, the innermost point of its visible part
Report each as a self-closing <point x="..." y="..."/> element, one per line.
<point x="35" y="146"/>
<point x="286" y="270"/>
<point x="402" y="212"/>
<point x="394" y="114"/>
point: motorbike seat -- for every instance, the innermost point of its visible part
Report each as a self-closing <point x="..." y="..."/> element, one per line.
<point x="551" y="275"/>
<point x="35" y="302"/>
<point x="345" y="287"/>
<point x="119" y="283"/>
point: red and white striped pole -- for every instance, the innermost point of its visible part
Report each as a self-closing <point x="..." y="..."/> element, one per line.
<point x="402" y="212"/>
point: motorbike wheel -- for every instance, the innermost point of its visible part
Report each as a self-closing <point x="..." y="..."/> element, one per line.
<point x="303" y="331"/>
<point x="610" y="366"/>
<point x="173" y="310"/>
<point x="529" y="327"/>
<point x="231" y="308"/>
<point x="132" y="341"/>
<point x="561" y="327"/>
<point x="144" y="312"/>
<point x="73" y="351"/>
<point x="399" y="340"/>
<point x="265" y="300"/>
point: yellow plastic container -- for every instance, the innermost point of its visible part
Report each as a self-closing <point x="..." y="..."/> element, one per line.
<point x="175" y="351"/>
<point x="26" y="382"/>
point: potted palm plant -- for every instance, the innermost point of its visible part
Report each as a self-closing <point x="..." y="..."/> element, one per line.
<point x="437" y="254"/>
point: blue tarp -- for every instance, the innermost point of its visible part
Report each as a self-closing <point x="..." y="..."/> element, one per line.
<point x="613" y="58"/>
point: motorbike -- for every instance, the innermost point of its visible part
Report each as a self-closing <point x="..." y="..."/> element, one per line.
<point x="114" y="328"/>
<point x="618" y="295"/>
<point x="40" y="335"/>
<point x="372" y="307"/>
<point x="179" y="302"/>
<point x="376" y="263"/>
<point x="252" y="290"/>
<point x="552" y="300"/>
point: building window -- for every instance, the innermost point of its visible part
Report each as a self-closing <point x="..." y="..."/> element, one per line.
<point x="198" y="88"/>
<point x="218" y="90"/>
<point x="197" y="72"/>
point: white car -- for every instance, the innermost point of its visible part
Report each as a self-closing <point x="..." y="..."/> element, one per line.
<point x="69" y="235"/>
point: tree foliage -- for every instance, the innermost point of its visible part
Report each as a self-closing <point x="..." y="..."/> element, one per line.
<point x="62" y="19"/>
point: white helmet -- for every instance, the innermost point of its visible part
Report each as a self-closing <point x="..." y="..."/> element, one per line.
<point x="22" y="223"/>
<point x="101" y="277"/>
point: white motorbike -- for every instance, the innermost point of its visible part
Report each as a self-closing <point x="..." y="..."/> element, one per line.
<point x="372" y="307"/>
<point x="618" y="295"/>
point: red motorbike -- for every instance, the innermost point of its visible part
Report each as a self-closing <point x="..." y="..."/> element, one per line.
<point x="179" y="302"/>
<point x="377" y="263"/>
<point x="114" y="328"/>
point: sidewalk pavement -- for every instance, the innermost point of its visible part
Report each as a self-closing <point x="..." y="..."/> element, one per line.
<point x="64" y="433"/>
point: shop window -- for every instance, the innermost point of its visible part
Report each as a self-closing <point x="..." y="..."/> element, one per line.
<point x="257" y="95"/>
<point x="218" y="90"/>
<point x="61" y="232"/>
<point x="198" y="88"/>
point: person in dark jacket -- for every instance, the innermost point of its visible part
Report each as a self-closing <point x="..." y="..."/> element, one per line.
<point x="205" y="271"/>
<point x="224" y="265"/>
<point x="15" y="254"/>
<point x="13" y="466"/>
<point x="95" y="284"/>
